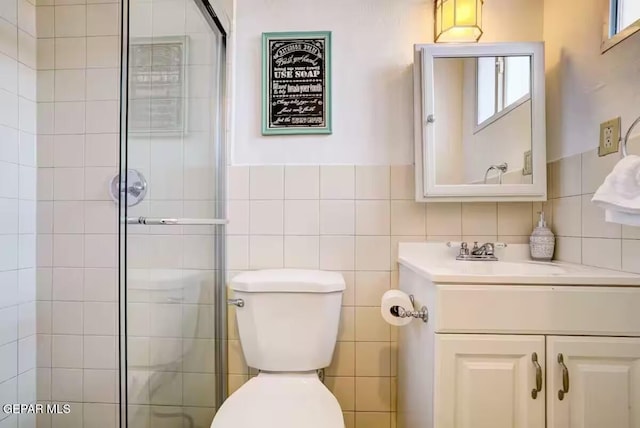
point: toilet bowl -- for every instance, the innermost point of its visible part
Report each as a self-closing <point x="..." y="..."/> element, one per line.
<point x="288" y="325"/>
<point x="284" y="400"/>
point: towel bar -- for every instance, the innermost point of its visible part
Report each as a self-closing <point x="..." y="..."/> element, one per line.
<point x="626" y="137"/>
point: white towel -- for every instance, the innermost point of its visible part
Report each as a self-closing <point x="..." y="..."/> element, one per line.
<point x="620" y="192"/>
<point x="612" y="216"/>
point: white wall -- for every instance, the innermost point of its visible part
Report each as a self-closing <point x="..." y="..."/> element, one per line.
<point x="372" y="85"/>
<point x="17" y="207"/>
<point x="585" y="87"/>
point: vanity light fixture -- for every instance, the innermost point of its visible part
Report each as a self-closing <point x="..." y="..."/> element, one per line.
<point x="458" y="20"/>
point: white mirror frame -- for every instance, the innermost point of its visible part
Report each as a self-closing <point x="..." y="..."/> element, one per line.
<point x="610" y="40"/>
<point x="424" y="106"/>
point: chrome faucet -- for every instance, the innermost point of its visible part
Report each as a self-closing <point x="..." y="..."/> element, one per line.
<point x="484" y="252"/>
<point x="485" y="249"/>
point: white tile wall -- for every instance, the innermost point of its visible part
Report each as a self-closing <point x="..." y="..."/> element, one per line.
<point x="583" y="235"/>
<point x="77" y="125"/>
<point x="17" y="207"/>
<point x="301" y="217"/>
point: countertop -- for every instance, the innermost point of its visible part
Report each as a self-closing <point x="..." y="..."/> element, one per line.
<point x="438" y="263"/>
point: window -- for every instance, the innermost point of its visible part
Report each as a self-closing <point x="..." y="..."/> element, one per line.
<point x="624" y="13"/>
<point x="502" y="84"/>
<point x="623" y="21"/>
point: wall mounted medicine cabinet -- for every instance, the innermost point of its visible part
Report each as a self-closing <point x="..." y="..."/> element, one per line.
<point x="480" y="122"/>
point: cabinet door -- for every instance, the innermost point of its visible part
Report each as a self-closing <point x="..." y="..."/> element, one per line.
<point x="602" y="376"/>
<point x="486" y="381"/>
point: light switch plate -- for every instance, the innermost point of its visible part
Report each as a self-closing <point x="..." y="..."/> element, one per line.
<point x="609" y="137"/>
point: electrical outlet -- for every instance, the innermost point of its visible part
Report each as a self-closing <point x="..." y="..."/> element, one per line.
<point x="609" y="137"/>
<point x="527" y="168"/>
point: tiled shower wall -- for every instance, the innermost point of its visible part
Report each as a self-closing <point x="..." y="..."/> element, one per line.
<point x="78" y="87"/>
<point x="78" y="106"/>
<point x="350" y="219"/>
<point x="17" y="207"/>
<point x="582" y="234"/>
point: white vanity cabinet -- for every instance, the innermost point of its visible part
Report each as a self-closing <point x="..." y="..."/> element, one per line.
<point x="486" y="380"/>
<point x="499" y="347"/>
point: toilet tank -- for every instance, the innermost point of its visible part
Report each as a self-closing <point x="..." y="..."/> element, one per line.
<point x="289" y="321"/>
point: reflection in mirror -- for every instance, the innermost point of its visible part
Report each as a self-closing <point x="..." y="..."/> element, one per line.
<point x="483" y="125"/>
<point x="502" y="83"/>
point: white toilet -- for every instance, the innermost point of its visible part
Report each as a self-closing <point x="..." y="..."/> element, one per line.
<point x="288" y="326"/>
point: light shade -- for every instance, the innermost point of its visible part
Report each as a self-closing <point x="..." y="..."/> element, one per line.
<point x="458" y="20"/>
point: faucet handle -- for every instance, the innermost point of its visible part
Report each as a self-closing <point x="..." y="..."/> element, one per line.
<point x="489" y="248"/>
<point x="464" y="249"/>
<point x="452" y="244"/>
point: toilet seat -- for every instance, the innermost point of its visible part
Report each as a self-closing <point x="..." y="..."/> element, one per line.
<point x="280" y="400"/>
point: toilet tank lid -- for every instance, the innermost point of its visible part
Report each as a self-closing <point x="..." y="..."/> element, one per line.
<point x="288" y="281"/>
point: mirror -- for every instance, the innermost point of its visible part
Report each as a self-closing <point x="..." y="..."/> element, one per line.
<point x="482" y="119"/>
<point x="480" y="136"/>
<point x="622" y="19"/>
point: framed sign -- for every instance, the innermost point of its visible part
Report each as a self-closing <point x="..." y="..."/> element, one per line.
<point x="157" y="85"/>
<point x="296" y="83"/>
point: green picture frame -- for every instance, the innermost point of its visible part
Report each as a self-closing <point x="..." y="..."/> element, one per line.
<point x="294" y="64"/>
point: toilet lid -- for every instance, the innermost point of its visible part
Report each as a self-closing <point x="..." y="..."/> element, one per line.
<point x="280" y="401"/>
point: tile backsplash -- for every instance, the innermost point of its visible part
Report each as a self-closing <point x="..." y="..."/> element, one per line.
<point x="350" y="219"/>
<point x="583" y="236"/>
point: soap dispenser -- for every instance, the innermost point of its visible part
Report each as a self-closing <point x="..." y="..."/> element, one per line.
<point x="542" y="241"/>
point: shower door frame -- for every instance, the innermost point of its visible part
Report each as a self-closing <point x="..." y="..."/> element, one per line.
<point x="219" y="21"/>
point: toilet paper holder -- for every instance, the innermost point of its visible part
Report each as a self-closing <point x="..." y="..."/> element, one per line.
<point x="400" y="312"/>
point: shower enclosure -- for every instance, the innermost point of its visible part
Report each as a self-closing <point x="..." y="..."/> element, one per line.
<point x="171" y="196"/>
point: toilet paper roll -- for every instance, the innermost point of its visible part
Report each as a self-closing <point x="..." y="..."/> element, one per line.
<point x="391" y="300"/>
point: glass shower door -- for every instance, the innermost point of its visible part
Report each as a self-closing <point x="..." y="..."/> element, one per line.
<point x="172" y="299"/>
